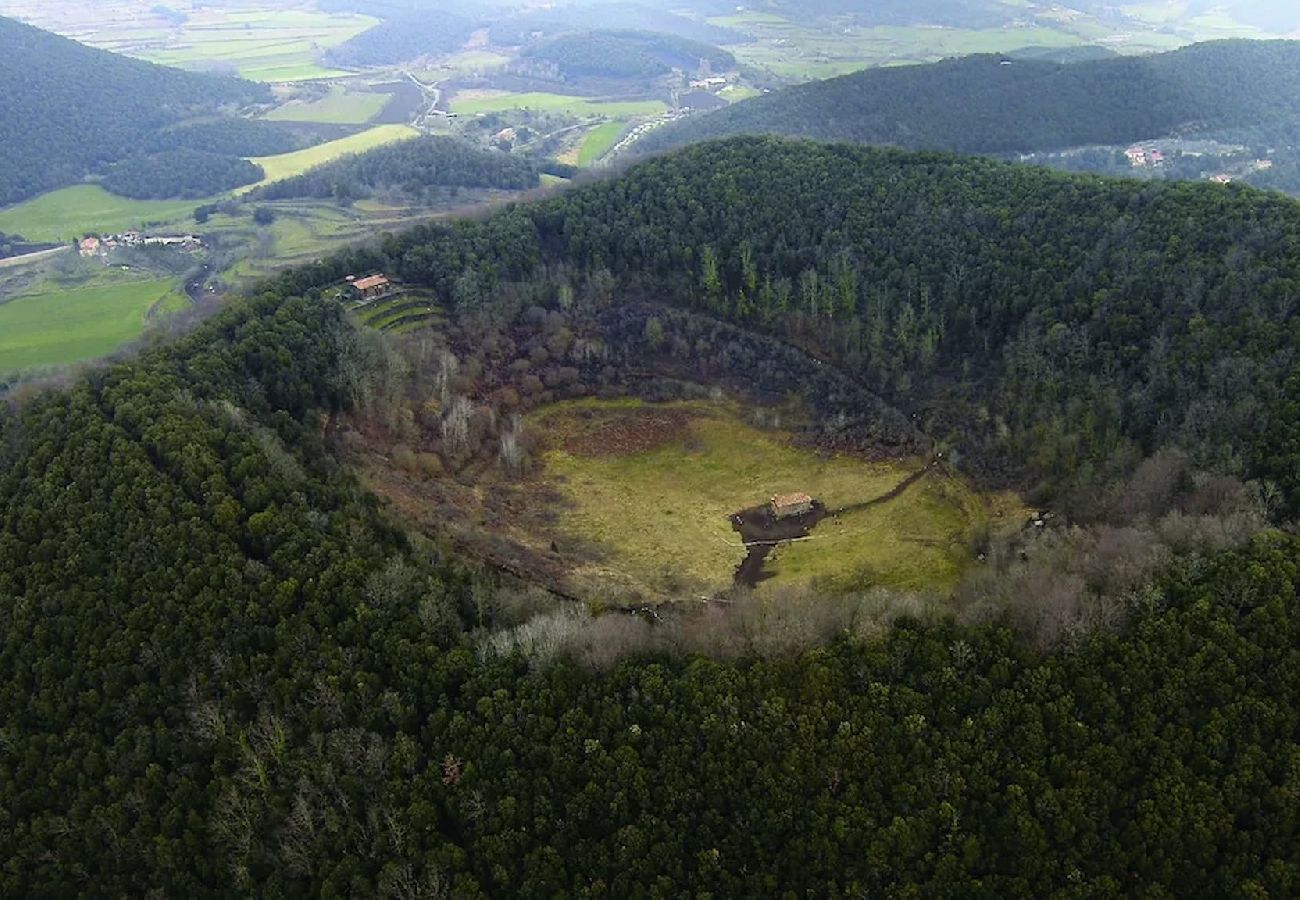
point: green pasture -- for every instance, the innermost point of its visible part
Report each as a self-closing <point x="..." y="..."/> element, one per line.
<point x="287" y="165"/>
<point x="468" y="103"/>
<point x="56" y="326"/>
<point x="83" y="209"/>
<point x="599" y="141"/>
<point x="661" y="516"/>
<point x="338" y="107"/>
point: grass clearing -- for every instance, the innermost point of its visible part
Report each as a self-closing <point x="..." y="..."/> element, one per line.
<point x="339" y="107"/>
<point x="469" y="103"/>
<point x="287" y="165"/>
<point x="599" y="141"/>
<point x="279" y="45"/>
<point x="58" y="326"/>
<point x="71" y="212"/>
<point x="659" y="515"/>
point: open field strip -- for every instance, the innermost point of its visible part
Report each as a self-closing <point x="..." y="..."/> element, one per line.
<point x="57" y="326"/>
<point x="339" y="107"/>
<point x="287" y="165"/>
<point x="71" y="212"/>
<point x="599" y="141"/>
<point x="486" y="101"/>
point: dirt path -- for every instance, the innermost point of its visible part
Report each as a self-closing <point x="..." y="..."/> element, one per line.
<point x="762" y="533"/>
<point x="26" y="258"/>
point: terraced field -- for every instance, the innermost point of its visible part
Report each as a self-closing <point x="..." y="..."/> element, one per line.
<point x="401" y="313"/>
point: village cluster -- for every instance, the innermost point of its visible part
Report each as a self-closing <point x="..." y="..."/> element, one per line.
<point x="1153" y="158"/>
<point x="94" y="245"/>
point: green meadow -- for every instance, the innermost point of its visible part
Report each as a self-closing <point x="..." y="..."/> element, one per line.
<point x="339" y="107"/>
<point x="281" y="45"/>
<point x="599" y="141"/>
<point x="71" y="212"/>
<point x="468" y="103"/>
<point x="55" y="326"/>
<point x="287" y="165"/>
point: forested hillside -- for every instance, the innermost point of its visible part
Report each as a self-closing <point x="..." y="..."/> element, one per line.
<point x="418" y="170"/>
<point x="623" y="54"/>
<point x="1040" y="324"/>
<point x="992" y="104"/>
<point x="184" y="174"/>
<point x="58" y="92"/>
<point x="223" y="672"/>
<point x="404" y="37"/>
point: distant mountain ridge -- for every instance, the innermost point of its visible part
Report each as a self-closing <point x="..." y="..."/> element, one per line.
<point x="997" y="104"/>
<point x="70" y="110"/>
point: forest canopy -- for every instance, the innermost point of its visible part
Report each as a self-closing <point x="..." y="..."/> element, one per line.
<point x="224" y="668"/>
<point x="998" y="104"/>
<point x="58" y="91"/>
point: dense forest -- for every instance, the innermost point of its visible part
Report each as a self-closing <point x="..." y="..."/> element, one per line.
<point x="1042" y="325"/>
<point x="234" y="137"/>
<point x="224" y="672"/>
<point x="57" y="92"/>
<point x="180" y="174"/>
<point x="403" y="38"/>
<point x="622" y="54"/>
<point x="419" y="170"/>
<point x="994" y="104"/>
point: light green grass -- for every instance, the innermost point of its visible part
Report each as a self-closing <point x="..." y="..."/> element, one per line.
<point x="734" y="93"/>
<point x="599" y="141"/>
<point x="56" y="327"/>
<point x="287" y="165"/>
<point x="339" y="107"/>
<point x="281" y="45"/>
<point x="661" y="516"/>
<point x="85" y="209"/>
<point x="470" y="103"/>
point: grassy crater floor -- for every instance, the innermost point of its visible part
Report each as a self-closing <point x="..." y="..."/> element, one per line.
<point x="650" y="488"/>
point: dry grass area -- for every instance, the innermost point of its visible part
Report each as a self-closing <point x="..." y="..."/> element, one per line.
<point x="651" y="487"/>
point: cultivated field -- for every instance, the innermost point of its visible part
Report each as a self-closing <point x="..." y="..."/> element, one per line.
<point x="59" y="326"/>
<point x="339" y="107"/>
<point x="650" y="488"/>
<point x="71" y="212"/>
<point x="287" y="165"/>
<point x="598" y="142"/>
<point x="470" y="103"/>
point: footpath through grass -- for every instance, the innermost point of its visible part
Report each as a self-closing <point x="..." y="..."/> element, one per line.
<point x="55" y="327"/>
<point x="660" y="514"/>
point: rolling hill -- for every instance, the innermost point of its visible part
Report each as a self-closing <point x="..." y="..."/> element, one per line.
<point x="996" y="104"/>
<point x="227" y="668"/>
<point x="622" y="54"/>
<point x="69" y="110"/>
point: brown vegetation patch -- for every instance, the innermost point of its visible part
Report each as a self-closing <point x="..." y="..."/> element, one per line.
<point x="623" y="433"/>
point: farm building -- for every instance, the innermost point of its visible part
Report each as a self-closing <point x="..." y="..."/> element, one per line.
<point x="89" y="246"/>
<point x="371" y="287"/>
<point x="786" y="506"/>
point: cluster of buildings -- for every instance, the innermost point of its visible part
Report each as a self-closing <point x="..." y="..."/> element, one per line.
<point x="712" y="83"/>
<point x="1140" y="157"/>
<point x="93" y="245"/>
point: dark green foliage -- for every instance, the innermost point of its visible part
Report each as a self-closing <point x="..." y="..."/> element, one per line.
<point x="419" y="170"/>
<point x="403" y="38"/>
<point x="181" y="174"/>
<point x="987" y="104"/>
<point x="609" y="17"/>
<point x="69" y="110"/>
<point x="222" y="673"/>
<point x="1044" y="325"/>
<point x="16" y="245"/>
<point x="623" y="54"/>
<point x="232" y="137"/>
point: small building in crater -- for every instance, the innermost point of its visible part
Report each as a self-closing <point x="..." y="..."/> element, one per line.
<point x="787" y="506"/>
